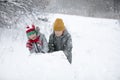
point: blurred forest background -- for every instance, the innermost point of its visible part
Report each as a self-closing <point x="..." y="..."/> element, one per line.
<point x="12" y="10"/>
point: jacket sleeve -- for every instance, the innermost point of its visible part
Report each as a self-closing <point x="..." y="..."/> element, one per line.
<point x="51" y="44"/>
<point x="45" y="44"/>
<point x="68" y="46"/>
<point x="68" y="49"/>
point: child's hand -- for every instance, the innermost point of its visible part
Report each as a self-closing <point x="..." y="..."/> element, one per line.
<point x="40" y="42"/>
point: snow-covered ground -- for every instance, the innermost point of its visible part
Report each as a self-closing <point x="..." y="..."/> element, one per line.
<point x="96" y="51"/>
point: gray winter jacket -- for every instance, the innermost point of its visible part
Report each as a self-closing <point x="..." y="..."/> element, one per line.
<point x="41" y="46"/>
<point x="63" y="43"/>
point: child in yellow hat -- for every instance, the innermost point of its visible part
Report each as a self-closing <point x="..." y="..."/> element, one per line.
<point x="37" y="42"/>
<point x="60" y="39"/>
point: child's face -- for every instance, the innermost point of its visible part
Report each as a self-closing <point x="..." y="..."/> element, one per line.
<point x="32" y="36"/>
<point x="58" y="33"/>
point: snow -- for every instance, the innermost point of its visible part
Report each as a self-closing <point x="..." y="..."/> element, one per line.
<point x="96" y="51"/>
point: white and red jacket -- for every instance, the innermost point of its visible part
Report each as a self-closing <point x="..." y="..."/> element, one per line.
<point x="39" y="45"/>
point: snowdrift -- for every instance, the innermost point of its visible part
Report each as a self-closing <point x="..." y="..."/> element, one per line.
<point x="96" y="48"/>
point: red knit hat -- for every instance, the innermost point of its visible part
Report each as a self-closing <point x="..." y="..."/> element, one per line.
<point x="29" y="29"/>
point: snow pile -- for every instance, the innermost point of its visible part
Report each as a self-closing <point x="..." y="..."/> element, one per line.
<point x="96" y="48"/>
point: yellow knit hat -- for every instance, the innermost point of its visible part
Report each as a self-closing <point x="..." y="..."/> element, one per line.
<point x="59" y="25"/>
